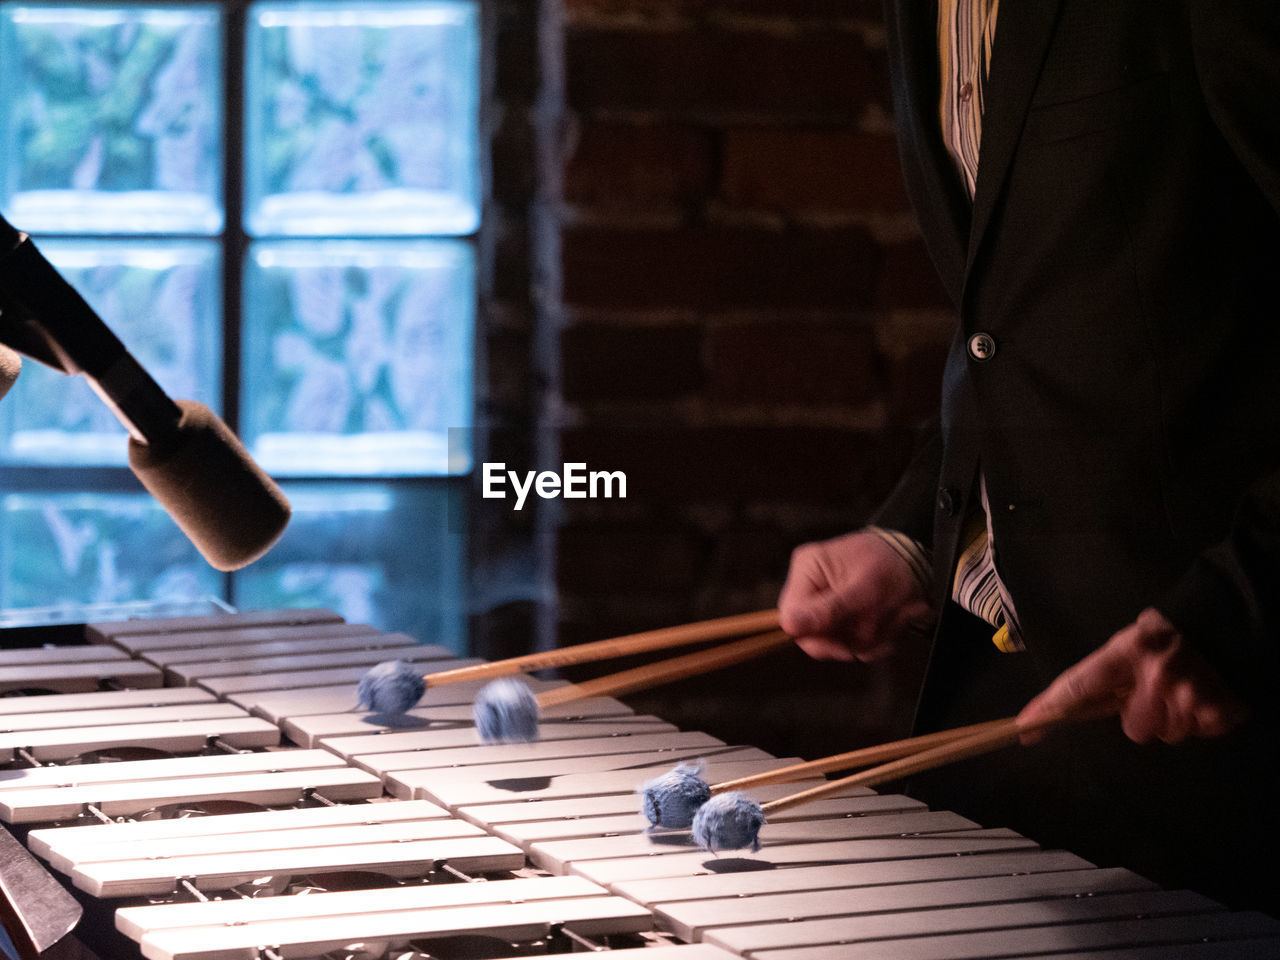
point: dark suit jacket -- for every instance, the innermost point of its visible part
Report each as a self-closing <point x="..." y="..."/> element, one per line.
<point x="1123" y="252"/>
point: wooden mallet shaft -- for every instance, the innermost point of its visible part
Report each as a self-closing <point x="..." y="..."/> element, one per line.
<point x="667" y="671"/>
<point x="646" y="642"/>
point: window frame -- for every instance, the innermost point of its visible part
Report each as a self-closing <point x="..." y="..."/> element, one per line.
<point x="234" y="243"/>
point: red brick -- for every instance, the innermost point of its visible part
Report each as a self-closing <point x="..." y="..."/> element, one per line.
<point x="909" y="280"/>
<point x="615" y="165"/>
<point x="618" y="363"/>
<point x="584" y="9"/>
<point x="718" y="268"/>
<point x="712" y="70"/>
<point x="915" y="383"/>
<point x="796" y="9"/>
<point x="597" y="617"/>
<point x="792" y="9"/>
<point x="734" y="464"/>
<point x="808" y="169"/>
<point x="744" y="555"/>
<point x="614" y="557"/>
<point x="797" y="362"/>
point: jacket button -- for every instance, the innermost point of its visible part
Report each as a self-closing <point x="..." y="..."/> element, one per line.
<point x="982" y="346"/>
<point x="948" y="501"/>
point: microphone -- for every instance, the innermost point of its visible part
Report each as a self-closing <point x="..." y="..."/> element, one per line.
<point x="185" y="456"/>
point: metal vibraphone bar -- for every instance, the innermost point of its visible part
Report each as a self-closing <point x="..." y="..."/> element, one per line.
<point x="282" y="823"/>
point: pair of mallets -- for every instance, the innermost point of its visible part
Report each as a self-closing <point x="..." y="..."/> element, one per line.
<point x="721" y="815"/>
<point x="394" y="686"/>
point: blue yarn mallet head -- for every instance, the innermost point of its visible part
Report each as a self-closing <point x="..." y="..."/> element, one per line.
<point x="393" y="686"/>
<point x="506" y="711"/>
<point x="728" y="821"/>
<point x="672" y="799"/>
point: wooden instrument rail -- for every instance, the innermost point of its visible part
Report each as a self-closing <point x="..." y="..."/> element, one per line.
<point x="260" y="707"/>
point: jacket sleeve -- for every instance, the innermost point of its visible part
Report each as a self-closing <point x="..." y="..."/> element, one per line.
<point x="1227" y="604"/>
<point x="1236" y="46"/>
<point x="909" y="507"/>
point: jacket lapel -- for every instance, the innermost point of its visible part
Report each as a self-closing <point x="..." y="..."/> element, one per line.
<point x="939" y="201"/>
<point x="1023" y="31"/>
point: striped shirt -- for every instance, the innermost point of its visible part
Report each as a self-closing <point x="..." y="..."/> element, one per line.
<point x="966" y="32"/>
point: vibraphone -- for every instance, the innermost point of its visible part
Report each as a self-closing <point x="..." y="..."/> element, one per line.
<point x="287" y="825"/>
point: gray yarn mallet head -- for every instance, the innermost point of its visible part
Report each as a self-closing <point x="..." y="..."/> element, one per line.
<point x="672" y="799"/>
<point x="728" y="821"/>
<point x="391" y="687"/>
<point x="506" y="711"/>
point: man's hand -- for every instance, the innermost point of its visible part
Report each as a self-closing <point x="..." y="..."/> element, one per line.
<point x="1165" y="690"/>
<point x="851" y="598"/>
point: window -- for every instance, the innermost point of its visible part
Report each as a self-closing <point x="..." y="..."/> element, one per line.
<point x="274" y="206"/>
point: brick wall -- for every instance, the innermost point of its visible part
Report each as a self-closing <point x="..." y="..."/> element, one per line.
<point x="731" y="305"/>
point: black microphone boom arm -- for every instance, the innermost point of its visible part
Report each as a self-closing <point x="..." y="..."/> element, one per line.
<point x="42" y="316"/>
<point x="182" y="452"/>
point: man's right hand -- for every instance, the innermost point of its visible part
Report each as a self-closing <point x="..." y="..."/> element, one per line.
<point x="851" y="598"/>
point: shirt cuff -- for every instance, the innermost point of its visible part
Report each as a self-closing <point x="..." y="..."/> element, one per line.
<point x="915" y="553"/>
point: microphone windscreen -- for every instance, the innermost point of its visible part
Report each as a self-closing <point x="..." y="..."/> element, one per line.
<point x="10" y="367"/>
<point x="204" y="477"/>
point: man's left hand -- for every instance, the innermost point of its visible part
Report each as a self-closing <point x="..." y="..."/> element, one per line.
<point x="1164" y="690"/>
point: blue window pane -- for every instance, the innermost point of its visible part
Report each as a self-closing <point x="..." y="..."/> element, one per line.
<point x="390" y="556"/>
<point x="362" y="118"/>
<point x="161" y="299"/>
<point x="111" y="118"/>
<point x="357" y="356"/>
<point x="81" y="548"/>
